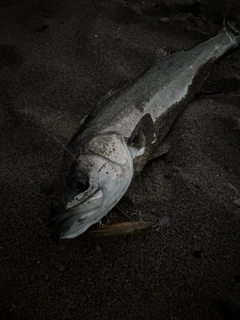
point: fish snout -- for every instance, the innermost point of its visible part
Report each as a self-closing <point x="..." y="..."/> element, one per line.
<point x="67" y="222"/>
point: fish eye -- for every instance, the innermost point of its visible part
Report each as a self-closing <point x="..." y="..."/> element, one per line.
<point x="78" y="183"/>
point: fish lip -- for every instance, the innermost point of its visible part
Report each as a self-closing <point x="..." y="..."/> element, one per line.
<point x="68" y="210"/>
<point x="61" y="209"/>
<point x="59" y="220"/>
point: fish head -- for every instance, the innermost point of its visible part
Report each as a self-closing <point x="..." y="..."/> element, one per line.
<point x="95" y="183"/>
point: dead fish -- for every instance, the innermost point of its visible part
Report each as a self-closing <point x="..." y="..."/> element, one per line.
<point x="118" y="137"/>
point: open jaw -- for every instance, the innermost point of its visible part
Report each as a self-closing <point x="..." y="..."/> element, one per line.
<point x="70" y="223"/>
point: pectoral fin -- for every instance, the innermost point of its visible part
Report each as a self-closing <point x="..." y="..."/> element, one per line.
<point x="141" y="141"/>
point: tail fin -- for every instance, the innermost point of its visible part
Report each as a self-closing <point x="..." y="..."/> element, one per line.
<point x="234" y="29"/>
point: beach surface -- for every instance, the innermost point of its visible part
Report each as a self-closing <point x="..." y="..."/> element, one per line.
<point x="57" y="59"/>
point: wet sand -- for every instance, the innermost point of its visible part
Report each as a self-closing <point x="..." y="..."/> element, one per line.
<point x="56" y="61"/>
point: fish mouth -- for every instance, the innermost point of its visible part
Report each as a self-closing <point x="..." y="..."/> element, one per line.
<point x="70" y="223"/>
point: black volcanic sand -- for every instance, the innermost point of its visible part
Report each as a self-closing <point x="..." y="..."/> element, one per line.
<point x="57" y="59"/>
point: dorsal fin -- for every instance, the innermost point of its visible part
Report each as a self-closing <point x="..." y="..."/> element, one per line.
<point x="107" y="96"/>
<point x="161" y="54"/>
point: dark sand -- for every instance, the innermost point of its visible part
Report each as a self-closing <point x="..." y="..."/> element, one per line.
<point x="57" y="61"/>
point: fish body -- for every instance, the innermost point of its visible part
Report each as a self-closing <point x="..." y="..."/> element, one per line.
<point x="118" y="137"/>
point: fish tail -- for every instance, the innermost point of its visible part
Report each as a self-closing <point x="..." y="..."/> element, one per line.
<point x="232" y="29"/>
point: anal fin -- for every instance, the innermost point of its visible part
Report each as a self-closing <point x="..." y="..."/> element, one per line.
<point x="160" y="151"/>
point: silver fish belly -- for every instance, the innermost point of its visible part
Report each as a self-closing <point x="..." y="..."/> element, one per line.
<point x="117" y="138"/>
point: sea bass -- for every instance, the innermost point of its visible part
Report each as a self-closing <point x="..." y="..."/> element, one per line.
<point x="118" y="137"/>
